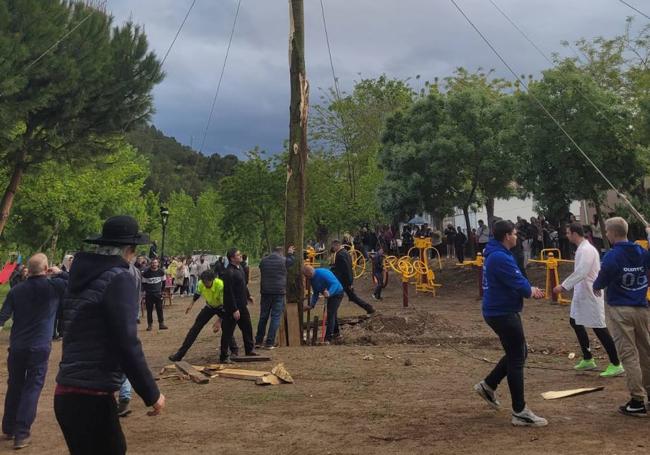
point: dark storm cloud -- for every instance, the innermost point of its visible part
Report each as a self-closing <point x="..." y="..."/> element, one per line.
<point x="371" y="37"/>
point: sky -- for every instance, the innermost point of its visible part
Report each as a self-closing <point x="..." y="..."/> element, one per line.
<point x="368" y="38"/>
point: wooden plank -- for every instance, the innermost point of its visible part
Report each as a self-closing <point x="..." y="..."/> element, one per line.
<point x="293" y="324"/>
<point x="249" y="375"/>
<point x="257" y="358"/>
<point x="554" y="395"/>
<point x="314" y="333"/>
<point x="269" y="379"/>
<point x="192" y="372"/>
<point x="282" y="334"/>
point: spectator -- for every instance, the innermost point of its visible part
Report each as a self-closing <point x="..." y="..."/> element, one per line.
<point x="273" y="288"/>
<point x="18" y="276"/>
<point x="482" y="235"/>
<point x="378" y="273"/>
<point x="153" y="284"/>
<point x="450" y="236"/>
<point x="33" y="306"/>
<point x="459" y="245"/>
<point x="100" y="343"/>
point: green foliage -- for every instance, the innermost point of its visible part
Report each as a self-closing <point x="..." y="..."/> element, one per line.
<point x="253" y="200"/>
<point x="176" y="167"/>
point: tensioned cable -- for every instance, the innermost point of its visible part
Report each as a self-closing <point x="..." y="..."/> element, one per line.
<point x="329" y="50"/>
<point x="223" y="69"/>
<point x="635" y="9"/>
<point x="549" y="114"/>
<point x="178" y="32"/>
<point x="550" y="62"/>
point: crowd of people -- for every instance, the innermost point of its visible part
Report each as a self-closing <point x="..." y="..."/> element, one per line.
<point x="93" y="301"/>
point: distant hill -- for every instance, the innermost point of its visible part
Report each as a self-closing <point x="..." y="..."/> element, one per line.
<point x="176" y="167"/>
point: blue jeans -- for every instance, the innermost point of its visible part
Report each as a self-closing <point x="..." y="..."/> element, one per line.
<point x="125" y="391"/>
<point x="27" y="369"/>
<point x="193" y="283"/>
<point x="271" y="305"/>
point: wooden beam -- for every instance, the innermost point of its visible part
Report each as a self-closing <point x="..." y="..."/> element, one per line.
<point x="554" y="395"/>
<point x="248" y="375"/>
<point x="258" y="358"/>
<point x="192" y="372"/>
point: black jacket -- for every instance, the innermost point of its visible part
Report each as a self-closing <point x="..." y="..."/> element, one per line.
<point x="153" y="282"/>
<point x="273" y="271"/>
<point x="342" y="268"/>
<point x="100" y="340"/>
<point x="235" y="291"/>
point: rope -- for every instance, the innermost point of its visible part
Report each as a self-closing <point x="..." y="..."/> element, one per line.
<point x="550" y="115"/>
<point x="329" y="50"/>
<point x="549" y="61"/>
<point x="635" y="9"/>
<point x="223" y="69"/>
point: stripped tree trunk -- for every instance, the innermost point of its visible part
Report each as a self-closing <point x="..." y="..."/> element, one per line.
<point x="297" y="162"/>
<point x="12" y="189"/>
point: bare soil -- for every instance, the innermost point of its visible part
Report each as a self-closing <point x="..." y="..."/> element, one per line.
<point x="401" y="382"/>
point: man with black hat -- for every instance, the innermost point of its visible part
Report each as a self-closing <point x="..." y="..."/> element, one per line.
<point x="100" y="343"/>
<point x="342" y="269"/>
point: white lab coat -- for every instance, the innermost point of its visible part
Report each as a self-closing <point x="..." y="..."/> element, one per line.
<point x="587" y="309"/>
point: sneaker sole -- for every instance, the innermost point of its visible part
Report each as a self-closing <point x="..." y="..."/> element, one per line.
<point x="603" y="375"/>
<point x="630" y="414"/>
<point x="479" y="390"/>
<point x="523" y="423"/>
<point x="586" y="369"/>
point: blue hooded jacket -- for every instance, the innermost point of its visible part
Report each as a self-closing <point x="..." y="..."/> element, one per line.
<point x="504" y="287"/>
<point x="624" y="274"/>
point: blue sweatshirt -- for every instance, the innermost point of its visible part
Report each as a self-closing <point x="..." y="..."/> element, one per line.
<point x="624" y="274"/>
<point x="322" y="280"/>
<point x="504" y="287"/>
<point x="33" y="304"/>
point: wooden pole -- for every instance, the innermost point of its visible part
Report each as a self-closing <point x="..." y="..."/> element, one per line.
<point x="297" y="161"/>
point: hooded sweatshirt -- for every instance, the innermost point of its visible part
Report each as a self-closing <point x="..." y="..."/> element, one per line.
<point x="504" y="287"/>
<point x="624" y="274"/>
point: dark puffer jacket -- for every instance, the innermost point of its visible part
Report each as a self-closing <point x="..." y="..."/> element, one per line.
<point x="100" y="342"/>
<point x="273" y="271"/>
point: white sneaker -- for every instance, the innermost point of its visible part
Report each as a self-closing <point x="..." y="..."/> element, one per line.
<point x="489" y="395"/>
<point x="526" y="418"/>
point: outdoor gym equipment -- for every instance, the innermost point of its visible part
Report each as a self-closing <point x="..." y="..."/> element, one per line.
<point x="312" y="254"/>
<point x="410" y="268"/>
<point x="548" y="258"/>
<point x="478" y="263"/>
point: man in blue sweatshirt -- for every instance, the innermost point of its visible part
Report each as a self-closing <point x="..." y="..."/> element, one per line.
<point x="624" y="274"/>
<point x="33" y="305"/>
<point x="504" y="290"/>
<point x="324" y="282"/>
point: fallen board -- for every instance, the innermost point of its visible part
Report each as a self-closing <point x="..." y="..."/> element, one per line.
<point x="259" y="358"/>
<point x="554" y="395"/>
<point x="248" y="375"/>
<point x="192" y="372"/>
<point x="269" y="379"/>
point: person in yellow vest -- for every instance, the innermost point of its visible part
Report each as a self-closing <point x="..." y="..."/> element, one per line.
<point x="211" y="289"/>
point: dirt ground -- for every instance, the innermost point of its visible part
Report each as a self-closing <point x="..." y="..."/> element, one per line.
<point x="401" y="383"/>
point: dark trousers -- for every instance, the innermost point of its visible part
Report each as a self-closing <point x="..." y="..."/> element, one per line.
<point x="27" y="369"/>
<point x="333" y="303"/>
<point x="511" y="333"/>
<point x="604" y="337"/>
<point x="460" y="253"/>
<point x="228" y="329"/>
<point x="271" y="307"/>
<point x="90" y="424"/>
<point x="151" y="301"/>
<point x="204" y="316"/>
<point x="481" y="247"/>
<point x="354" y="298"/>
<point x="379" y="277"/>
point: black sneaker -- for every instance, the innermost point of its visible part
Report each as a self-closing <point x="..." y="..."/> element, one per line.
<point x="252" y="354"/>
<point x="227" y="361"/>
<point x="148" y="328"/>
<point x="371" y="310"/>
<point x="375" y="297"/>
<point x="634" y="408"/>
<point x="123" y="408"/>
<point x="162" y="326"/>
<point x="175" y="357"/>
<point x="21" y="443"/>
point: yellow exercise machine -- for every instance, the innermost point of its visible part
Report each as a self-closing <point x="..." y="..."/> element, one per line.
<point x="548" y="257"/>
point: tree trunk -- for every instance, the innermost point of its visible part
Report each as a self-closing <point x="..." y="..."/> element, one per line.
<point x="489" y="208"/>
<point x="297" y="163"/>
<point x="468" y="226"/>
<point x="601" y="222"/>
<point x="55" y="239"/>
<point x="12" y="189"/>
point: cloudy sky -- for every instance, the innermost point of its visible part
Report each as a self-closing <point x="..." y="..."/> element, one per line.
<point x="368" y="37"/>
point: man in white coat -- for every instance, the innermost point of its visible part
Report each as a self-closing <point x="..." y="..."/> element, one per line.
<point x="588" y="310"/>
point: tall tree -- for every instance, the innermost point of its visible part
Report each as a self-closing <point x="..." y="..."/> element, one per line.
<point x="67" y="105"/>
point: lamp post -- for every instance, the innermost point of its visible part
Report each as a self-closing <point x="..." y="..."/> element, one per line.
<point x="164" y="217"/>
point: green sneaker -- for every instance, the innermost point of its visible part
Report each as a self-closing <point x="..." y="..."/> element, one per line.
<point x="585" y="365"/>
<point x="612" y="370"/>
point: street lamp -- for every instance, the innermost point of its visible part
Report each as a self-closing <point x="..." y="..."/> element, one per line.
<point x="164" y="217"/>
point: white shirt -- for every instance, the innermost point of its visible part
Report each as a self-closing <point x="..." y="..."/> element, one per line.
<point x="587" y="309"/>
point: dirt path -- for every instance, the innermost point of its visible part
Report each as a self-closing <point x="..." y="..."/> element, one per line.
<point x="343" y="404"/>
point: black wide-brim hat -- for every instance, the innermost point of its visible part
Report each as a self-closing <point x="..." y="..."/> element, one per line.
<point x="120" y="230"/>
